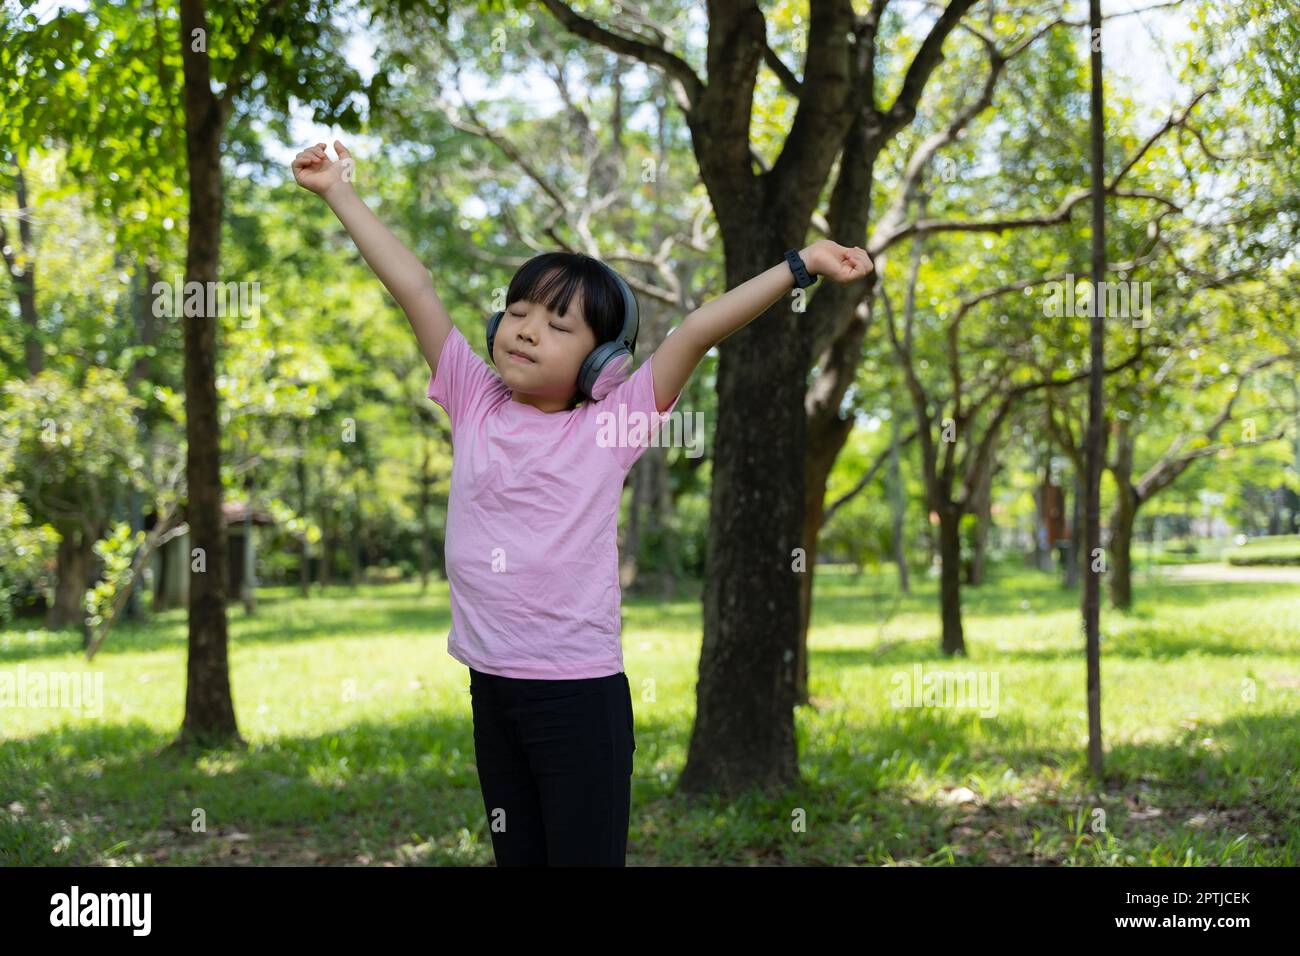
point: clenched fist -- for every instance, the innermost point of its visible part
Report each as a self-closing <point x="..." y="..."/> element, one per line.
<point x="314" y="170"/>
<point x="838" y="263"/>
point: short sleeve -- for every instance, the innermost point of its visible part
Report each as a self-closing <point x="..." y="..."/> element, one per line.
<point x="639" y="419"/>
<point x="462" y="381"/>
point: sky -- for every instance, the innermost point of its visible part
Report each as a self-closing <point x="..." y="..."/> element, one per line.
<point x="1133" y="51"/>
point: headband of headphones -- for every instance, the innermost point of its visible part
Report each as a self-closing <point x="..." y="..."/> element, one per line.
<point x="610" y="363"/>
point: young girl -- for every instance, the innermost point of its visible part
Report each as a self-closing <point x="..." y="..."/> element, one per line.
<point x="531" y="550"/>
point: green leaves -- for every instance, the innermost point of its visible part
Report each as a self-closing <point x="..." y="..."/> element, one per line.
<point x="70" y="448"/>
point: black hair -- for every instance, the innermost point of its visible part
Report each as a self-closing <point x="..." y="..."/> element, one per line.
<point x="552" y="278"/>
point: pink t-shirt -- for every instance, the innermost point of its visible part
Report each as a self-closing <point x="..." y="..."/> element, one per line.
<point x="532" y="521"/>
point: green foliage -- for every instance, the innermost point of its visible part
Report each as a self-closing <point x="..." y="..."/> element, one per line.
<point x="24" y="551"/>
<point x="72" y="448"/>
<point x="117" y="550"/>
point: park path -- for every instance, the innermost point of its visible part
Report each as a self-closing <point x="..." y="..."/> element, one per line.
<point x="1230" y="572"/>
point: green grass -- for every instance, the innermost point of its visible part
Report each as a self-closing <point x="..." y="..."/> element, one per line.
<point x="1179" y="551"/>
<point x="361" y="746"/>
<point x="1280" y="549"/>
<point x="1268" y="549"/>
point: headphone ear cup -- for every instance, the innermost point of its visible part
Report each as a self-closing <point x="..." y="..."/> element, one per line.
<point x="607" y="367"/>
<point x="494" y="323"/>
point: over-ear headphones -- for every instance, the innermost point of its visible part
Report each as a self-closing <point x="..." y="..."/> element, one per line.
<point x="609" y="363"/>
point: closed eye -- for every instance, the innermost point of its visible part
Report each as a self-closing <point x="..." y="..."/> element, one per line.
<point x="557" y="328"/>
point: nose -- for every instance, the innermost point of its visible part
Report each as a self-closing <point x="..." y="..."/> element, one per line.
<point x="525" y="331"/>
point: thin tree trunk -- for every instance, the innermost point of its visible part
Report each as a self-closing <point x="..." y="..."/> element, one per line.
<point x="651" y="501"/>
<point x="827" y="433"/>
<point x="662" y="528"/>
<point x="355" y="571"/>
<point x="822" y="451"/>
<point x="1043" y="531"/>
<point x="326" y="546"/>
<point x="1096" y="432"/>
<point x="950" y="579"/>
<point x="897" y="504"/>
<point x="425" y="530"/>
<point x="1076" y="531"/>
<point x="209" y="709"/>
<point x="1122" y="518"/>
<point x="982" y="509"/>
<point x="304" y="565"/>
<point x="161" y="533"/>
<point x="249" y="582"/>
<point x="142" y="370"/>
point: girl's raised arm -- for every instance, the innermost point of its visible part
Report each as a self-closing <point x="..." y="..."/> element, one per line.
<point x="396" y="266"/>
<point x="678" y="355"/>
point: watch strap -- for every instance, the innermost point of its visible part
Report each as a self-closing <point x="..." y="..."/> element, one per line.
<point x="802" y="279"/>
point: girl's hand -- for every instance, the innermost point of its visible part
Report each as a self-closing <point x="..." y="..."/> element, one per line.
<point x="314" y="170"/>
<point x="836" y="262"/>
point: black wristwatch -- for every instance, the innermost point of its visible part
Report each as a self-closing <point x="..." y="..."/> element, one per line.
<point x="802" y="279"/>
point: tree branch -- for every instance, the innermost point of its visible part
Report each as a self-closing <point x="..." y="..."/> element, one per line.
<point x="687" y="87"/>
<point x="865" y="479"/>
<point x="924" y="63"/>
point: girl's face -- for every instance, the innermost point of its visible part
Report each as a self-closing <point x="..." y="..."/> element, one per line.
<point x="552" y="348"/>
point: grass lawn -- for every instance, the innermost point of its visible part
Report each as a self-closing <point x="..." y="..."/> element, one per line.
<point x="362" y="748"/>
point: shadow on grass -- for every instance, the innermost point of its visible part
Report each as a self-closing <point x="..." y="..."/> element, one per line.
<point x="1231" y="801"/>
<point x="1134" y="643"/>
<point x="837" y="603"/>
<point x="363" y="789"/>
<point x="408" y="792"/>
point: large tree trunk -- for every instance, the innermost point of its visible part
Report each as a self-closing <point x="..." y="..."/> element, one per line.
<point x="76" y="558"/>
<point x="744" y="726"/>
<point x="950" y="579"/>
<point x="744" y="736"/>
<point x="209" y="710"/>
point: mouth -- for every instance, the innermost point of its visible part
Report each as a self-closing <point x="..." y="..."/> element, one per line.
<point x="519" y="357"/>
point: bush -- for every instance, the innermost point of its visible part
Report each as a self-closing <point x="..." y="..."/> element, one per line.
<point x="25" y="550"/>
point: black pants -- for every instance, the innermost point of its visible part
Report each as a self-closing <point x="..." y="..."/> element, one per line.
<point x="555" y="766"/>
